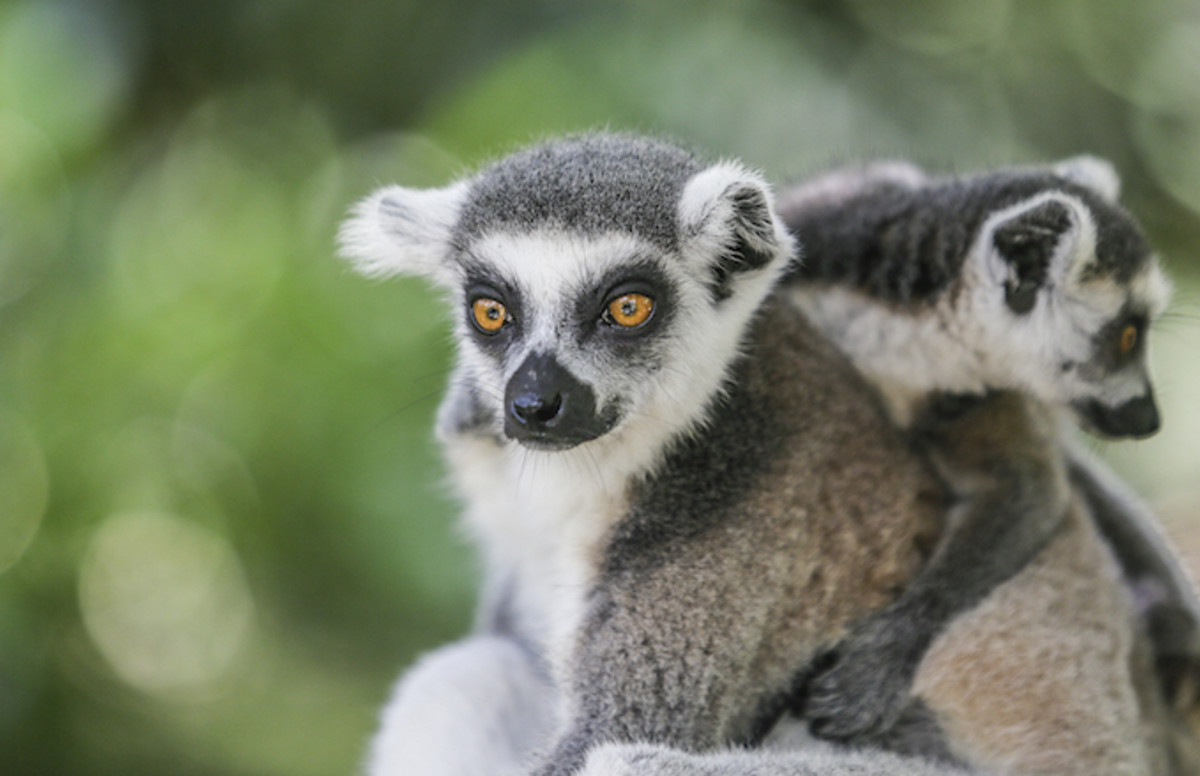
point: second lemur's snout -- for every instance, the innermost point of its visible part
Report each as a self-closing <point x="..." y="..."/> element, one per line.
<point x="547" y="407"/>
<point x="1137" y="418"/>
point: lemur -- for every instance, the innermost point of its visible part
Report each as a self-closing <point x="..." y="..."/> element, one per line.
<point x="683" y="493"/>
<point x="942" y="290"/>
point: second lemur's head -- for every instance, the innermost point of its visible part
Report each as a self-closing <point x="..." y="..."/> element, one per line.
<point x="597" y="283"/>
<point x="1073" y="287"/>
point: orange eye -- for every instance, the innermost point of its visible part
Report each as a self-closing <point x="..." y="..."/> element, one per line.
<point x="630" y="310"/>
<point x="1129" y="338"/>
<point x="489" y="314"/>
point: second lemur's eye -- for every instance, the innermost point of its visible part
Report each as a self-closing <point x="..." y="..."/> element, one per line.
<point x="1129" y="339"/>
<point x="489" y="315"/>
<point x="629" y="310"/>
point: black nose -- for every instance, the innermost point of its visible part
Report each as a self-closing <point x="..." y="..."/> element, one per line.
<point x="547" y="407"/>
<point x="535" y="409"/>
<point x="1139" y="417"/>
<point x="1135" y="418"/>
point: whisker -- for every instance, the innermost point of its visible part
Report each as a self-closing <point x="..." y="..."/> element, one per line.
<point x="600" y="481"/>
<point x="404" y="408"/>
<point x="436" y="373"/>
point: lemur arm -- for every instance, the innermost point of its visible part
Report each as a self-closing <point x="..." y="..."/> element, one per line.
<point x="479" y="707"/>
<point x="1011" y="491"/>
<point x="484" y="705"/>
<point x="1166" y="596"/>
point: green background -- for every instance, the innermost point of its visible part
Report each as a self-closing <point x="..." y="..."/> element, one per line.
<point x="223" y="528"/>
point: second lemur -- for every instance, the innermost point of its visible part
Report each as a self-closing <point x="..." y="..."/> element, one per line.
<point x="963" y="298"/>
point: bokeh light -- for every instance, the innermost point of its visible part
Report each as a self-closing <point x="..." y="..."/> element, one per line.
<point x="63" y="67"/>
<point x="165" y="601"/>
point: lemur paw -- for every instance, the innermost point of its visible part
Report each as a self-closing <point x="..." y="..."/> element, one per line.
<point x="866" y="686"/>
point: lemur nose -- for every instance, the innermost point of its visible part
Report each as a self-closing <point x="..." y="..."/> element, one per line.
<point x="534" y="410"/>
<point x="547" y="407"/>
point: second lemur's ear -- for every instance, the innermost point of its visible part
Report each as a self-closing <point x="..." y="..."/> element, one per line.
<point x="399" y="231"/>
<point x="1093" y="173"/>
<point x="1032" y="245"/>
<point x="728" y="221"/>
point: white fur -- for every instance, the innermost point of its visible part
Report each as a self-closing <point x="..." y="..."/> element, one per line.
<point x="1092" y="172"/>
<point x="486" y="692"/>
<point x="397" y="230"/>
<point x="705" y="212"/>
<point x="1030" y="347"/>
<point x="907" y="355"/>
<point x="1152" y="289"/>
<point x="703" y="204"/>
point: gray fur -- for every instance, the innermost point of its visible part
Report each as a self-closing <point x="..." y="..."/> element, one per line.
<point x="902" y="240"/>
<point x="589" y="184"/>
<point x="999" y="454"/>
<point x="1164" y="591"/>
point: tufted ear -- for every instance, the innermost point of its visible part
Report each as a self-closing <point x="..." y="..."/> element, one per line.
<point x="728" y="221"/>
<point x="1093" y="173"/>
<point x="1032" y="244"/>
<point x="397" y="231"/>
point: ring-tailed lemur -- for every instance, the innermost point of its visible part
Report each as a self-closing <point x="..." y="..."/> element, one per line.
<point x="1029" y="280"/>
<point x="665" y="470"/>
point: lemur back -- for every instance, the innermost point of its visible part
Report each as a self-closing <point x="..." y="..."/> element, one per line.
<point x="665" y="465"/>
<point x="976" y="304"/>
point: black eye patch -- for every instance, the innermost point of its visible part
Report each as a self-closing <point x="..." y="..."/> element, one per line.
<point x="1121" y="340"/>
<point x="482" y="285"/>
<point x="641" y="278"/>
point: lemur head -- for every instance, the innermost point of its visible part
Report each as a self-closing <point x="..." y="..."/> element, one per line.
<point x="599" y="283"/>
<point x="1074" y="288"/>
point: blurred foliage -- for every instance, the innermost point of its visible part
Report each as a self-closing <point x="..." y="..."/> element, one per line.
<point x="221" y="526"/>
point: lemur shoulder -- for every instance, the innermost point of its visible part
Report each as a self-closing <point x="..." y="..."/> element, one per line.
<point x="669" y="537"/>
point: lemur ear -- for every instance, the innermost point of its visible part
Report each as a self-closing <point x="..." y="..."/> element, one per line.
<point x="1032" y="244"/>
<point x="1093" y="173"/>
<point x="397" y="231"/>
<point x="728" y="221"/>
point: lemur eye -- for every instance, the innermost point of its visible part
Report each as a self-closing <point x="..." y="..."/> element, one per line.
<point x="489" y="315"/>
<point x="630" y="310"/>
<point x="1129" y="338"/>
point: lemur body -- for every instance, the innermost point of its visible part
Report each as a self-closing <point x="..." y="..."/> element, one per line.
<point x="1031" y="281"/>
<point x="669" y="538"/>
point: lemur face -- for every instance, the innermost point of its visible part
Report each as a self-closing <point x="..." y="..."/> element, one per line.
<point x="1077" y="287"/>
<point x="598" y="284"/>
<point x="564" y="336"/>
<point x="1113" y="392"/>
